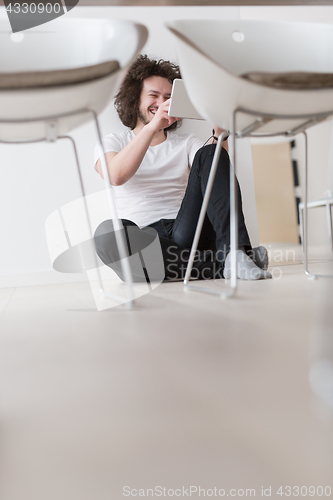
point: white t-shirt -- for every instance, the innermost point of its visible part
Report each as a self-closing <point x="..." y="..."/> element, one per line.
<point x="157" y="188"/>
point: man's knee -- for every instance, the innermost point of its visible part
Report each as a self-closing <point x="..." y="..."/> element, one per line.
<point x="103" y="235"/>
<point x="104" y="228"/>
<point x="105" y="240"/>
<point x="206" y="156"/>
<point x="105" y="232"/>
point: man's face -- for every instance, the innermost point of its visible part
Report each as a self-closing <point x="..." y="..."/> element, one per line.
<point x="155" y="90"/>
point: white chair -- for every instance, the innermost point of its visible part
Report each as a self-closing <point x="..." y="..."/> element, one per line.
<point x="56" y="79"/>
<point x="255" y="78"/>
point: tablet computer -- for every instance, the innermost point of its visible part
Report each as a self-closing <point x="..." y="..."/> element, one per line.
<point x="180" y="105"/>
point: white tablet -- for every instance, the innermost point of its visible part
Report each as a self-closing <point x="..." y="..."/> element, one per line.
<point x="180" y="105"/>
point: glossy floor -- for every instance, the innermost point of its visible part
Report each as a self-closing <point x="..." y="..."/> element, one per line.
<point x="184" y="390"/>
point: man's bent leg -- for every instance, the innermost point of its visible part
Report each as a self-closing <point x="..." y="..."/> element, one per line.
<point x="145" y="256"/>
<point x="169" y="263"/>
<point x="218" y="213"/>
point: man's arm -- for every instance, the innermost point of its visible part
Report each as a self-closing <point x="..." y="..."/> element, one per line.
<point x="123" y="165"/>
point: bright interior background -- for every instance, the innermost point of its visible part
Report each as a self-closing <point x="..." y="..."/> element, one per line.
<point x="38" y="179"/>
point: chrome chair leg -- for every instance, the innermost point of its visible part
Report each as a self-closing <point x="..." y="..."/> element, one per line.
<point x="310" y="276"/>
<point x="233" y="206"/>
<point x="51" y="136"/>
<point x="301" y="222"/>
<point x="187" y="285"/>
<point x="119" y="229"/>
<point x="86" y="266"/>
<point x="329" y="223"/>
<point x="305" y="211"/>
<point x="83" y="193"/>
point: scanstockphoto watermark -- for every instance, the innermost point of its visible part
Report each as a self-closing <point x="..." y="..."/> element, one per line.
<point x="24" y="14"/>
<point x="280" y="256"/>
<point x="212" y="262"/>
<point x="198" y="491"/>
<point x="187" y="491"/>
<point x="76" y="246"/>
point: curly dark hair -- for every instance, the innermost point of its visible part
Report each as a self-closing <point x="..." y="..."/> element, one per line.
<point x="127" y="101"/>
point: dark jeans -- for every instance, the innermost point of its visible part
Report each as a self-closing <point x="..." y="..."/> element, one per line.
<point x="176" y="235"/>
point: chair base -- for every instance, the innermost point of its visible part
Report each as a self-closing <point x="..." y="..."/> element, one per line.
<point x="253" y="130"/>
<point x="325" y="202"/>
<point x="51" y="136"/>
<point x="233" y="224"/>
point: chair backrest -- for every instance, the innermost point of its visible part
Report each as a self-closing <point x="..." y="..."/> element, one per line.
<point x="217" y="57"/>
<point x="241" y="46"/>
<point x="64" y="67"/>
<point x="71" y="43"/>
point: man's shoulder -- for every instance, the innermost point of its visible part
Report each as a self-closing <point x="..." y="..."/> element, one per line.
<point x="124" y="135"/>
<point x="117" y="141"/>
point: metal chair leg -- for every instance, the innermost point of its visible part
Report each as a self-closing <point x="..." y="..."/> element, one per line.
<point x="51" y="136"/>
<point x="329" y="223"/>
<point x="305" y="219"/>
<point x="305" y="226"/>
<point x="99" y="279"/>
<point x="119" y="229"/>
<point x="222" y="294"/>
<point x="84" y="267"/>
<point x="233" y="206"/>
<point x="301" y="222"/>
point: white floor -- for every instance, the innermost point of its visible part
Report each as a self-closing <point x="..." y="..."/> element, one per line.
<point x="184" y="390"/>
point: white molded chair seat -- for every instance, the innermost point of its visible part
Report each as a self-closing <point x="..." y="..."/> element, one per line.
<point x="52" y="78"/>
<point x="239" y="59"/>
<point x="73" y="67"/>
<point x="255" y="78"/>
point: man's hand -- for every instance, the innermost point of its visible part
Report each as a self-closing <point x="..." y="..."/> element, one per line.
<point x="161" y="119"/>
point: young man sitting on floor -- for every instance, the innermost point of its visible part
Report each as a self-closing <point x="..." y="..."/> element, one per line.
<point x="159" y="178"/>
